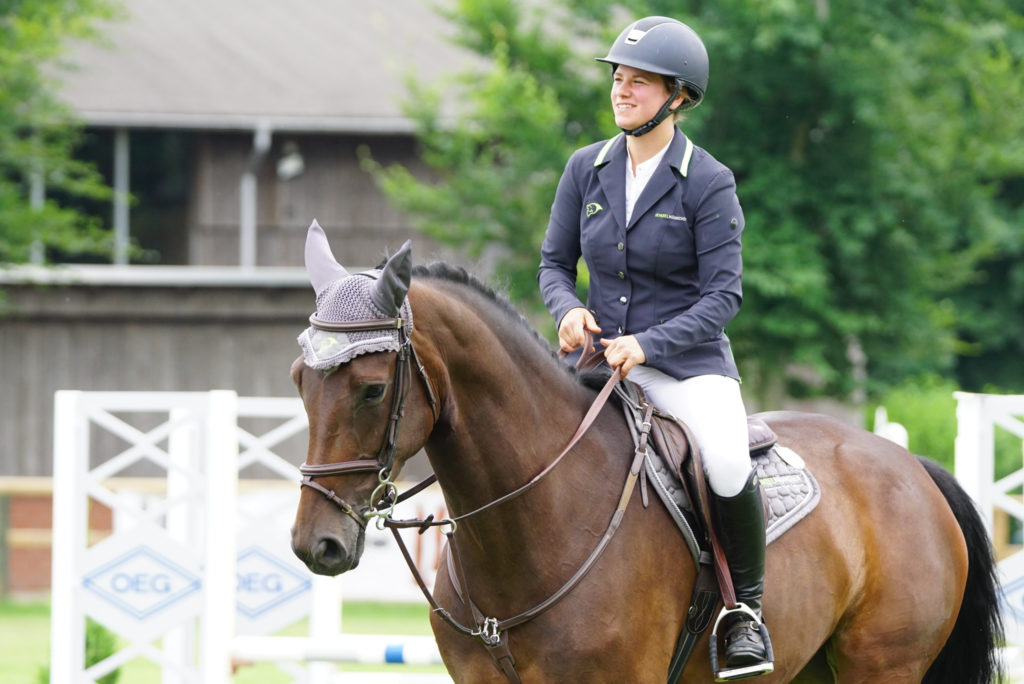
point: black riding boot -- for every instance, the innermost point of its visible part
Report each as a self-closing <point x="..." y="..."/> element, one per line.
<point x="739" y="521"/>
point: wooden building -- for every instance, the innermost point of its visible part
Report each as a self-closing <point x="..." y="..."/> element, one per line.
<point x="231" y="124"/>
<point x="225" y="126"/>
<point x="234" y="123"/>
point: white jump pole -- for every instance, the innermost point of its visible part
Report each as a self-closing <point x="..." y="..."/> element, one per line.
<point x="184" y="523"/>
<point x="70" y="523"/>
<point x="325" y="623"/>
<point x="369" y="649"/>
<point x="974" y="460"/>
<point x="220" y="577"/>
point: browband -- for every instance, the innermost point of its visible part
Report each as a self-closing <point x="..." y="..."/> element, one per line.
<point x="356" y="326"/>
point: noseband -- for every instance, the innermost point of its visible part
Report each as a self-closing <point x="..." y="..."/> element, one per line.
<point x="385" y="460"/>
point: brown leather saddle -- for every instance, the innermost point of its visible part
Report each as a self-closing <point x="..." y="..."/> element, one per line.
<point x="671" y="439"/>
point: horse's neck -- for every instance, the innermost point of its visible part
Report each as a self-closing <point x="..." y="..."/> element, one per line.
<point x="510" y="424"/>
<point x="508" y="410"/>
<point x="507" y="425"/>
<point x="506" y="403"/>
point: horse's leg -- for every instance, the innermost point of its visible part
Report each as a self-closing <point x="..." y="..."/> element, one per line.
<point x="891" y="643"/>
<point x="817" y="671"/>
<point x="914" y="573"/>
<point x="620" y="624"/>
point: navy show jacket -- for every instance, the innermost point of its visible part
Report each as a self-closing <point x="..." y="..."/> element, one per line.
<point x="672" y="277"/>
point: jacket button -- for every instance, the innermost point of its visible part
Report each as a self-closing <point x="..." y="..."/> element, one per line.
<point x="622" y="276"/>
<point x="621" y="246"/>
<point x="620" y="329"/>
<point x="623" y="299"/>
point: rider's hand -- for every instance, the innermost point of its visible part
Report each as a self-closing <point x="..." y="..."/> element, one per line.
<point x="623" y="353"/>
<point x="572" y="329"/>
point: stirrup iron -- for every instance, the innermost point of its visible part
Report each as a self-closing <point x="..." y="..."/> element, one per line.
<point x="729" y="674"/>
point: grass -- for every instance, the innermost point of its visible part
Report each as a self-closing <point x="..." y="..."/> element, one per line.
<point x="25" y="646"/>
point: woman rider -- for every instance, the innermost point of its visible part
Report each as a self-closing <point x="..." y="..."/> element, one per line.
<point x="657" y="221"/>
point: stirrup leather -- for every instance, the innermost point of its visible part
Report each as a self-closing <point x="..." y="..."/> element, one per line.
<point x="729" y="674"/>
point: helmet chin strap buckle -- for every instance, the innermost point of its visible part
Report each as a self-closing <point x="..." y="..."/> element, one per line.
<point x="660" y="116"/>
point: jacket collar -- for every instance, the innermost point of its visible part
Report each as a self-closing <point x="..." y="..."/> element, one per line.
<point x="611" y="163"/>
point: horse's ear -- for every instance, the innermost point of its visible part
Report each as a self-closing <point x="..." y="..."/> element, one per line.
<point x="322" y="267"/>
<point x="389" y="291"/>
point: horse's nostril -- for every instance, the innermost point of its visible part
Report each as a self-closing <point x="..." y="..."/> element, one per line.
<point x="329" y="551"/>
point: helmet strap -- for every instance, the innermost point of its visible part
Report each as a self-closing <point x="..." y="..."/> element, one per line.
<point x="661" y="115"/>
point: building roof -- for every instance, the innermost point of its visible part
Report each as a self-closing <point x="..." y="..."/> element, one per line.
<point x="300" y="65"/>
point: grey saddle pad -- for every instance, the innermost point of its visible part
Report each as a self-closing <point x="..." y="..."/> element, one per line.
<point x="790" y="490"/>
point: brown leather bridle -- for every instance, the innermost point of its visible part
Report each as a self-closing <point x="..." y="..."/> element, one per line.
<point x="386" y="492"/>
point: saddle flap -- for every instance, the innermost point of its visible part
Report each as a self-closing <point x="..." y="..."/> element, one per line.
<point x="670" y="441"/>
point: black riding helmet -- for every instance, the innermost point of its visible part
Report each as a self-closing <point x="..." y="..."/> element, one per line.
<point x="666" y="47"/>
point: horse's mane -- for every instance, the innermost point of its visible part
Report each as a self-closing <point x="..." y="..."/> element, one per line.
<point x="457" y="275"/>
<point x="446" y="272"/>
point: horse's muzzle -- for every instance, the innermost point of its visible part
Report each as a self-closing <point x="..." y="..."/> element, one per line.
<point x="327" y="554"/>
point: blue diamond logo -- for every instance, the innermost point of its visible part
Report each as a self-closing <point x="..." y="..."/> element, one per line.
<point x="264" y="582"/>
<point x="141" y="582"/>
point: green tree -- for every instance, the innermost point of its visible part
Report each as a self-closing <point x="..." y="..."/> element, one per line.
<point x="873" y="145"/>
<point x="496" y="169"/>
<point x="991" y="305"/>
<point x="858" y="137"/>
<point x="37" y="132"/>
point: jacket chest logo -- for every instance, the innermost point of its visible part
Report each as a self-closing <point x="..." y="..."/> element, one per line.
<point x="592" y="208"/>
<point x="669" y="217"/>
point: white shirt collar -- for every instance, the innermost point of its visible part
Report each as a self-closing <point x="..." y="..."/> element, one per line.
<point x="635" y="184"/>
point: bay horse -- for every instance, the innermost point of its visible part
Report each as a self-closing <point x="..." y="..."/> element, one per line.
<point x="889" y="580"/>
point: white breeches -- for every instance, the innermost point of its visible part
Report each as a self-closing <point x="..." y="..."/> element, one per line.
<point x="712" y="407"/>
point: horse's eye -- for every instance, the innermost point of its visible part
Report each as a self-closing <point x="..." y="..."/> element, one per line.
<point x="373" y="394"/>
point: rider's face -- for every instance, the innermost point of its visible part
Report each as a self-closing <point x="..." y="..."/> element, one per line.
<point x="637" y="96"/>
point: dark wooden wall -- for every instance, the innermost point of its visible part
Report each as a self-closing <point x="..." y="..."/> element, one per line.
<point x="138" y="337"/>
<point x="333" y="188"/>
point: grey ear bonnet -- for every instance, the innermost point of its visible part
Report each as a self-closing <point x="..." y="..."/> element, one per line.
<point x="342" y="297"/>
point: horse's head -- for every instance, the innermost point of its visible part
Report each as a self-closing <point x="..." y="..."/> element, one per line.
<point x="353" y="377"/>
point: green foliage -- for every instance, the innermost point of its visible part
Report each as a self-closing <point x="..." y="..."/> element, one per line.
<point x="926" y="407"/>
<point x="100" y="644"/>
<point x="497" y="168"/>
<point x="37" y="134"/>
<point x="877" y="148"/>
